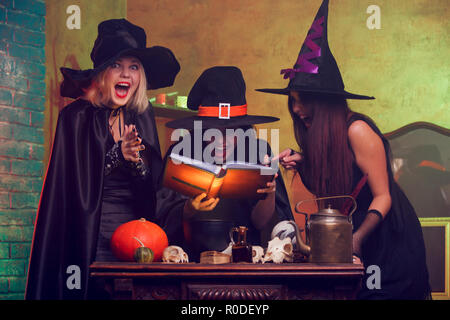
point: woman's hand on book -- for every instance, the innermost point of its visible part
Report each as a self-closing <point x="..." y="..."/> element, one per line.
<point x="264" y="209"/>
<point x="131" y="144"/>
<point x="198" y="204"/>
<point x="271" y="186"/>
<point x="288" y="158"/>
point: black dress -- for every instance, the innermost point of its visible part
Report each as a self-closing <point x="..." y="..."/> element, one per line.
<point x="118" y="198"/>
<point x="396" y="246"/>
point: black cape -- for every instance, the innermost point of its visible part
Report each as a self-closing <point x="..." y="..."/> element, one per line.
<point x="67" y="222"/>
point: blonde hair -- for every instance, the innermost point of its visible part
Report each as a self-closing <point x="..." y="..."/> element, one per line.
<point x="99" y="94"/>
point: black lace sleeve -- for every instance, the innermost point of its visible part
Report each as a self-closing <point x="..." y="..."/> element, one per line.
<point x="137" y="169"/>
<point x="114" y="159"/>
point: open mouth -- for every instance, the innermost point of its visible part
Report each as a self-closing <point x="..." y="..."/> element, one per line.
<point x="122" y="89"/>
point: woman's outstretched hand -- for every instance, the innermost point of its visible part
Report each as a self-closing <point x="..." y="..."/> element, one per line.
<point x="288" y="158"/>
<point x="131" y="144"/>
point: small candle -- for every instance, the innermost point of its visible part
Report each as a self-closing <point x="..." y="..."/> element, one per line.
<point x="161" y="98"/>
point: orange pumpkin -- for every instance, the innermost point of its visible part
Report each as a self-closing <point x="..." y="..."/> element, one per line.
<point x="124" y="243"/>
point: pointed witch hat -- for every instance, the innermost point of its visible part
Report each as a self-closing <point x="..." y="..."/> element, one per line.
<point x="316" y="70"/>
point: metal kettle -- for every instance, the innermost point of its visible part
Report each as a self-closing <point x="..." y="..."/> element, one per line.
<point x="328" y="234"/>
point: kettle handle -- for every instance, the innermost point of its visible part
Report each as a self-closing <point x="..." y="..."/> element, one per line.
<point x="324" y="198"/>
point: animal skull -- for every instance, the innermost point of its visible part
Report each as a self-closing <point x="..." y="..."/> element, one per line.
<point x="257" y="254"/>
<point x="279" y="250"/>
<point x="174" y="254"/>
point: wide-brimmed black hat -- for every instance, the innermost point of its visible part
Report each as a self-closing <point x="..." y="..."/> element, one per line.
<point x="316" y="70"/>
<point x="117" y="38"/>
<point x="425" y="159"/>
<point x="219" y="96"/>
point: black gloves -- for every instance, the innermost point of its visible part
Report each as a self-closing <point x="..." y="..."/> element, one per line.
<point x="373" y="218"/>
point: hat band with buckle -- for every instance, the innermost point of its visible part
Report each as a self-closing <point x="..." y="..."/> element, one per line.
<point x="223" y="111"/>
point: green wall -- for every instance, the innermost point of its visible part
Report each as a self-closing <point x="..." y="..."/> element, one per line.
<point x="71" y="48"/>
<point x="22" y="96"/>
<point x="403" y="64"/>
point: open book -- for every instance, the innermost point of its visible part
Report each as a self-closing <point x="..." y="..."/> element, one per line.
<point x="234" y="180"/>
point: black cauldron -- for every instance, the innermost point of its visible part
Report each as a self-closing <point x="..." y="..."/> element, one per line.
<point x="206" y="235"/>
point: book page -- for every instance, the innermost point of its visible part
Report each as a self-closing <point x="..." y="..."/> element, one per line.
<point x="264" y="170"/>
<point x="177" y="159"/>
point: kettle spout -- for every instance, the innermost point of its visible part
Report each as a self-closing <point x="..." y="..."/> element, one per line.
<point x="302" y="247"/>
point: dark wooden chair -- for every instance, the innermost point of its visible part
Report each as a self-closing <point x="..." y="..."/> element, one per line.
<point x="421" y="163"/>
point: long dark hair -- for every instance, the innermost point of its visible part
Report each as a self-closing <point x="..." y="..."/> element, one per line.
<point x="326" y="168"/>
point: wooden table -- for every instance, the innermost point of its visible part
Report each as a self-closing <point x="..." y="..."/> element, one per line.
<point x="236" y="281"/>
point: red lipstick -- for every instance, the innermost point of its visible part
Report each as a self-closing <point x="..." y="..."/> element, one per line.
<point x="122" y="88"/>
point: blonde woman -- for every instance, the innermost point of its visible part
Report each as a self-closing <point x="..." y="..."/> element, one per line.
<point x="104" y="164"/>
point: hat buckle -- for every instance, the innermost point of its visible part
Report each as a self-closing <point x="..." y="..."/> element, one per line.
<point x="220" y="110"/>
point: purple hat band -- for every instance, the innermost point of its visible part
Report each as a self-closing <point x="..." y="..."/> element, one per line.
<point x="303" y="59"/>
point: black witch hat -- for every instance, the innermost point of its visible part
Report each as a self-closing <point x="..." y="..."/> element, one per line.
<point x="316" y="70"/>
<point x="425" y="159"/>
<point x="219" y="96"/>
<point x="117" y="38"/>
